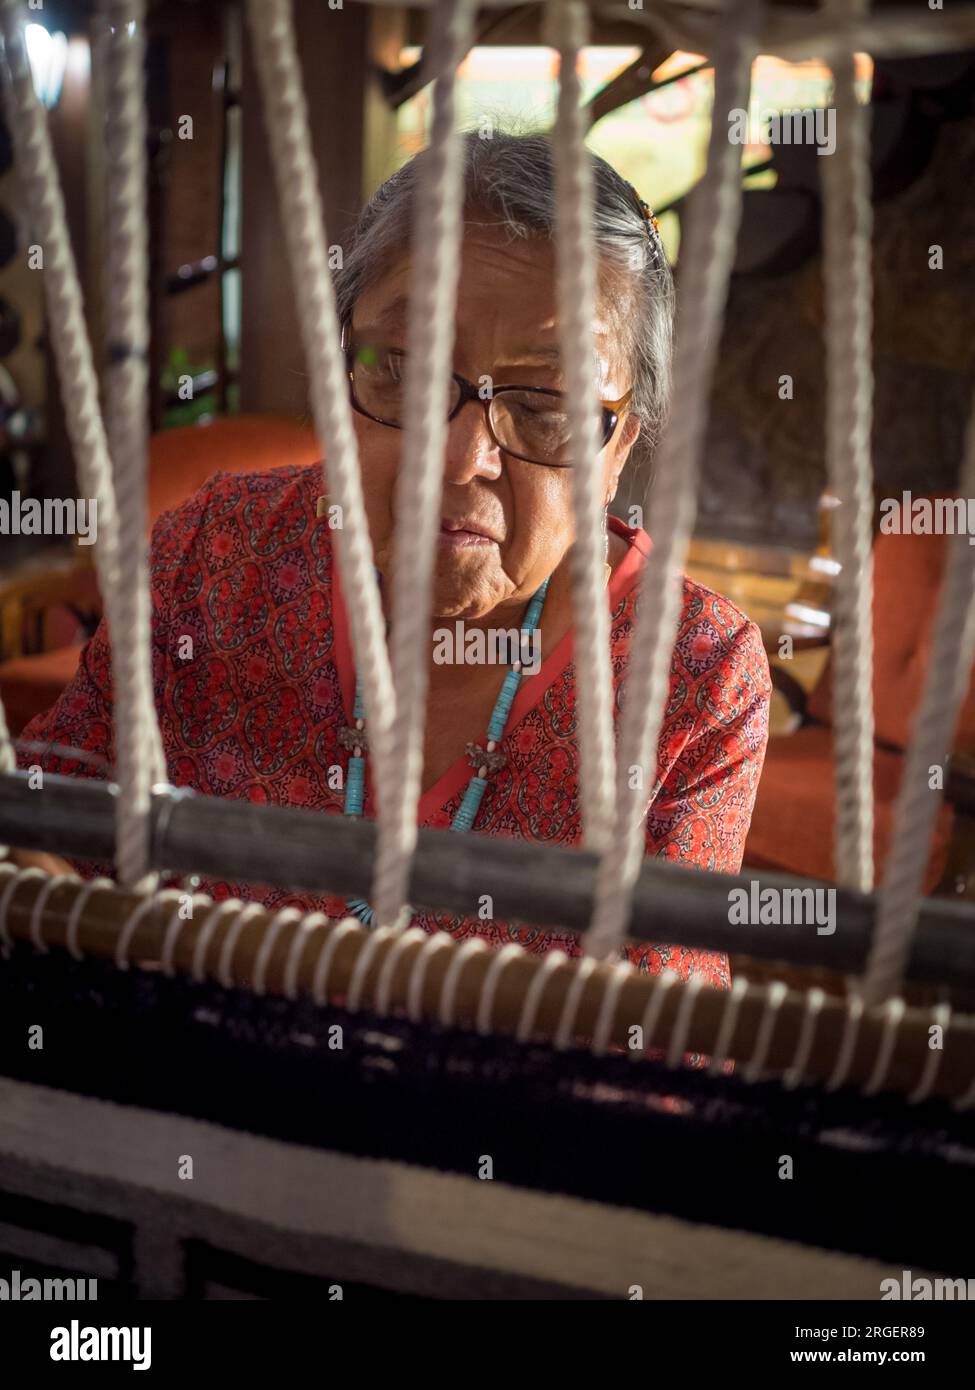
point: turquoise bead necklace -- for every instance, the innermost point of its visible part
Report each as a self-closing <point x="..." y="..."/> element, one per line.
<point x="483" y="760"/>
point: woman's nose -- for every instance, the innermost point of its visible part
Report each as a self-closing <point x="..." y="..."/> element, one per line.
<point x="471" y="452"/>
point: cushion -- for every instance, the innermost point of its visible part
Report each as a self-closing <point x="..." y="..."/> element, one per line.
<point x="795" y="811"/>
<point x="31" y="684"/>
<point x="907" y="584"/>
<point x="181" y="460"/>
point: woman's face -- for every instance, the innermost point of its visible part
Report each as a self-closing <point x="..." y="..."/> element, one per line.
<point x="507" y="329"/>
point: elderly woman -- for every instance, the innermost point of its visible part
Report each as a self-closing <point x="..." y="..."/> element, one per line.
<point x="255" y="678"/>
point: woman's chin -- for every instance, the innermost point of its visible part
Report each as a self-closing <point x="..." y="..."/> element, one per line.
<point x="456" y="603"/>
<point x="464" y="587"/>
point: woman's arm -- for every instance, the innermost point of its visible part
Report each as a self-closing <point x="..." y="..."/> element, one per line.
<point x="703" y="810"/>
<point x="701" y="814"/>
<point x="34" y="859"/>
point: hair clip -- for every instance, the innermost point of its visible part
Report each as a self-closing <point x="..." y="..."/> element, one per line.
<point x="653" y="229"/>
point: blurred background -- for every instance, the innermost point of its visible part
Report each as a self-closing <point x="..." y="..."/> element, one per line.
<point x="229" y="388"/>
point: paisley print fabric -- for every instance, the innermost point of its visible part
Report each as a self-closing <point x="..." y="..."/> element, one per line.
<point x="254" y="678"/>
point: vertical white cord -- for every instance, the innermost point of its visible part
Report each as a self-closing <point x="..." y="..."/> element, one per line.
<point x="945" y="687"/>
<point x="8" y="760"/>
<point x="847" y="231"/>
<point x="139" y="757"/>
<point x="705" y="267"/>
<point x="566" y="23"/>
<point x="286" y="116"/>
<point x="38" y="175"/>
<point x="434" y="272"/>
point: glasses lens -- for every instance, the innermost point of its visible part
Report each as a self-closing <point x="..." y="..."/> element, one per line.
<point x="532" y="425"/>
<point x="379" y="382"/>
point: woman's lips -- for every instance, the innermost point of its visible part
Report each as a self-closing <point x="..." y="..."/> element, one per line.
<point x="452" y="538"/>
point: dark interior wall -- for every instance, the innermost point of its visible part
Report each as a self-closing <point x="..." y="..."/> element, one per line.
<point x="185" y="43"/>
<point x="333" y="45"/>
<point x="764" y="464"/>
<point x="191" y="45"/>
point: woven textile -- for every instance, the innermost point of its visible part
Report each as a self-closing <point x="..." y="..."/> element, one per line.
<point x="336" y="1150"/>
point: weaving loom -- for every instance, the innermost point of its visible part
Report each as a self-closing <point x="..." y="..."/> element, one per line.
<point x="249" y="1102"/>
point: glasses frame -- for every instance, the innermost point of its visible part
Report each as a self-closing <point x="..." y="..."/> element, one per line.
<point x="612" y="411"/>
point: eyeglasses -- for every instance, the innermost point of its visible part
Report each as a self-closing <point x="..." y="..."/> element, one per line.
<point x="530" y="423"/>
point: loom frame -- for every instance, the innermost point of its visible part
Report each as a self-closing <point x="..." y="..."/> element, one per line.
<point x="542" y="885"/>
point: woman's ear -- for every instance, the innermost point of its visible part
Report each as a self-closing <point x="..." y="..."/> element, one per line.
<point x="631" y="431"/>
<point x="629" y="434"/>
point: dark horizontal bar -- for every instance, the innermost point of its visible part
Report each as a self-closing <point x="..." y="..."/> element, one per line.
<point x="199" y="272"/>
<point x="541" y="885"/>
<point x="628" y="86"/>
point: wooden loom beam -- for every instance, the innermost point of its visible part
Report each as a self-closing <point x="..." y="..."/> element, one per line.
<point x="107" y="911"/>
<point x="545" y="885"/>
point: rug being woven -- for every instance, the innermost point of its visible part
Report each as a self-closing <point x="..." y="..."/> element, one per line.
<point x="178" y="1140"/>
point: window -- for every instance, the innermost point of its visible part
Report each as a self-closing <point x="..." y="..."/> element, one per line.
<point x="658" y="141"/>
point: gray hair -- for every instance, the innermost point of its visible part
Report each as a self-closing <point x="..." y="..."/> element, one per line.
<point x="512" y="175"/>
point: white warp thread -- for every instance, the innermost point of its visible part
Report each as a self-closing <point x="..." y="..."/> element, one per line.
<point x="847" y="231"/>
<point x="139" y="760"/>
<point x="286" y="117"/>
<point x="37" y="173"/>
<point x="8" y="760"/>
<point x="576" y="263"/>
<point x="705" y="267"/>
<point x="945" y="687"/>
<point x="434" y="272"/>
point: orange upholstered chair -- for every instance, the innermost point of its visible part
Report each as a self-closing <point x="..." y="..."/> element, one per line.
<point x="795" y="812"/>
<point x="180" y="461"/>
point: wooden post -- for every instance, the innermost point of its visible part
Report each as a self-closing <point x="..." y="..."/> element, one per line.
<point x="387" y="38"/>
<point x="333" y="46"/>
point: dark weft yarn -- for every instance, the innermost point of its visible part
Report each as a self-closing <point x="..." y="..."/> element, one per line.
<point x="615" y="1131"/>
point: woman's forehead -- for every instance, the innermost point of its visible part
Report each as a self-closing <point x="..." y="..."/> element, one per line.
<point x="507" y="295"/>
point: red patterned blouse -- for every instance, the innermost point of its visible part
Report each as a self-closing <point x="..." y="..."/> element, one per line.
<point x="253" y="704"/>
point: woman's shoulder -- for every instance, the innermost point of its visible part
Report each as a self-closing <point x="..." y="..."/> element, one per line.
<point x="225" y="493"/>
<point x="713" y="635"/>
<point x="705" y="611"/>
<point x="234" y="515"/>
